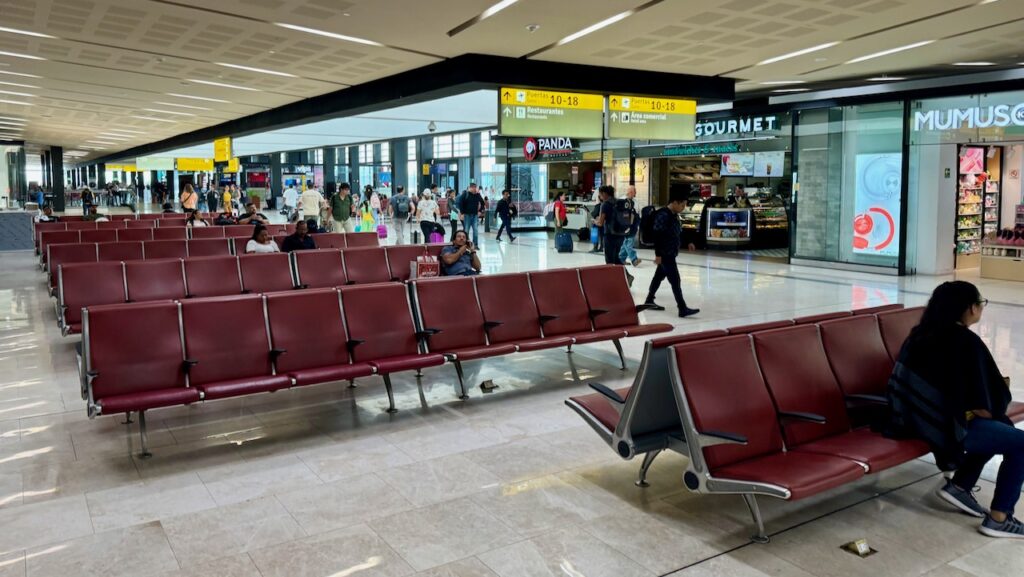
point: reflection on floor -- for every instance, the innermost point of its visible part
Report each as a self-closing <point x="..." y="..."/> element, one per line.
<point x="320" y="481"/>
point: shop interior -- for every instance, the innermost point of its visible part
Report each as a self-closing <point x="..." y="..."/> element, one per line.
<point x="989" y="224"/>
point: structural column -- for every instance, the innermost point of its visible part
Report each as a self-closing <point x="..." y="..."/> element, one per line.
<point x="276" y="178"/>
<point x="353" y="168"/>
<point x="399" y="164"/>
<point x="56" y="154"/>
<point x="101" y="175"/>
<point x="330" y="161"/>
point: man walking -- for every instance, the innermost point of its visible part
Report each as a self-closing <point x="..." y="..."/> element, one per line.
<point x="614" y="219"/>
<point x="506" y="212"/>
<point x="398" y="209"/>
<point x="341" y="206"/>
<point x="666" y="231"/>
<point x="628" y="252"/>
<point x="470" y="208"/>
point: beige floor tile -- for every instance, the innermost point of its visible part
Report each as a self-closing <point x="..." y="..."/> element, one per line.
<point x="137" y="550"/>
<point x="355" y="550"/>
<point x="44" y="523"/>
<point x="570" y="551"/>
<point x="247" y="480"/>
<point x="82" y="476"/>
<point x="149" y="500"/>
<point x="230" y="530"/>
<point x="10" y="489"/>
<point x="343" y="503"/>
<point x="521" y="460"/>
<point x="437" y="480"/>
<point x="433" y="441"/>
<point x="344" y="459"/>
<point x="442" y="533"/>
<point x="998" y="558"/>
<point x="751" y="561"/>
<point x="12" y="564"/>
<point x="471" y="567"/>
<point x="238" y="566"/>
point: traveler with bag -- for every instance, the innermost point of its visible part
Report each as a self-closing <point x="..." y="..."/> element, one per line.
<point x="453" y="212"/>
<point x="616" y="219"/>
<point x="558" y="208"/>
<point x="471" y="206"/>
<point x="506" y="212"/>
<point x="341" y="206"/>
<point x="628" y="252"/>
<point x="189" y="198"/>
<point x="428" y="214"/>
<point x="596" y="232"/>
<point x="665" y="234"/>
<point x="398" y="210"/>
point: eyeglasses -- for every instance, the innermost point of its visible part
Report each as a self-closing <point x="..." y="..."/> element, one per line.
<point x="983" y="302"/>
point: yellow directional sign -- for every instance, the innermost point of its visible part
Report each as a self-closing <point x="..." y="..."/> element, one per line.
<point x="195" y="164"/>
<point x="650" y="118"/>
<point x="543" y="113"/>
<point x="234" y="165"/>
<point x="222" y="149"/>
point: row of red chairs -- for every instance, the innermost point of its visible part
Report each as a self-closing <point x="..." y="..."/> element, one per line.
<point x="116" y="222"/>
<point x="782" y="429"/>
<point x="132" y="354"/>
<point x="127" y="280"/>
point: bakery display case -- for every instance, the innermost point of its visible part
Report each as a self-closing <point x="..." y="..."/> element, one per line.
<point x="729" y="226"/>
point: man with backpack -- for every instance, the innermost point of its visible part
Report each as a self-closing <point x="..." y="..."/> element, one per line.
<point x="616" y="218"/>
<point x="628" y="252"/>
<point x="665" y="234"/>
<point x="398" y="209"/>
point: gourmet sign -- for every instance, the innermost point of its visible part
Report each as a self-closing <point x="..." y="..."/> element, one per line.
<point x="743" y="125"/>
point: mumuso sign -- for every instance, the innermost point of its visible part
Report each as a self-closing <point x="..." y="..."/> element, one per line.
<point x="547" y="147"/>
<point x="1001" y="115"/>
<point x="743" y="125"/>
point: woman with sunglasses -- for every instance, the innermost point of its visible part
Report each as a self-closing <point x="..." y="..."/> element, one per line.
<point x="947" y="390"/>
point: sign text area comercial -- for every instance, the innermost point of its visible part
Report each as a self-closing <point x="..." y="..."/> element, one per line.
<point x="648" y="118"/>
<point x="540" y="113"/>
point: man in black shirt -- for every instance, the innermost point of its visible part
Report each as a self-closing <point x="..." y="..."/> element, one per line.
<point x="471" y="206"/>
<point x="506" y="212"/>
<point x="300" y="240"/>
<point x="666" y="230"/>
<point x="250" y="216"/>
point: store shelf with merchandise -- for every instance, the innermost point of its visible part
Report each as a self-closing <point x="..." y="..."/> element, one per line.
<point x="1002" y="262"/>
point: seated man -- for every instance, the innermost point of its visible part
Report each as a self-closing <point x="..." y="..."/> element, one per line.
<point x="300" y="240"/>
<point x="93" y="215"/>
<point x="459" y="258"/>
<point x="312" y="227"/>
<point x="250" y="216"/>
<point x="46" y="215"/>
<point x="225" y="218"/>
<point x="168" y="208"/>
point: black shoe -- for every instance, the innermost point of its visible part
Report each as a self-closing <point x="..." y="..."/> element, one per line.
<point x="496" y="239"/>
<point x="653" y="306"/>
<point x="511" y="240"/>
<point x="687" y="312"/>
<point x="629" y="279"/>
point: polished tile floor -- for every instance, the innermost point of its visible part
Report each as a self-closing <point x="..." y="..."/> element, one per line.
<point x="322" y="482"/>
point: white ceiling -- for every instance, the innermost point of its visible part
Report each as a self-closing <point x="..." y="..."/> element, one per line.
<point x="112" y="60"/>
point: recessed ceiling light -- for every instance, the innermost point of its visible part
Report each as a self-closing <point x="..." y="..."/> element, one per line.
<point x="974" y="64"/>
<point x="782" y="90"/>
<point x="13" y="118"/>
<point x="25" y="32"/>
<point x="106" y="136"/>
<point x="20" y="55"/>
<point x="16" y="84"/>
<point x="116" y="130"/>
<point x="783" y="82"/>
<point x="328" y="34"/>
<point x="3" y="101"/>
<point x="886" y="78"/>
<point x="19" y="74"/>
<point x="890" y="51"/>
<point x="198" y="97"/>
<point x="983" y="2"/>
<point x="222" y="85"/>
<point x="17" y="93"/>
<point x="168" y="112"/>
<point x="91" y="148"/>
<point x="155" y="119"/>
<point x="181" y="105"/>
<point x="253" y="69"/>
<point x="595" y="27"/>
<point x="7" y="125"/>
<point x="798" y="53"/>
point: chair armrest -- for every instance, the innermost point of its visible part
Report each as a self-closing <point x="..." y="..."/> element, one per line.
<point x="488" y="325"/>
<point x="274" y="353"/>
<point x="545" y="318"/>
<point x="867" y="399"/>
<point x="608" y="392"/>
<point x="426" y="334"/>
<point x="594" y="313"/>
<point x="712" y="438"/>
<point x="352" y="344"/>
<point x="799" y="416"/>
<point x="187" y="364"/>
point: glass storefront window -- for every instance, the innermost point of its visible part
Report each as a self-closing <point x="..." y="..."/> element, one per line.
<point x="849" y="171"/>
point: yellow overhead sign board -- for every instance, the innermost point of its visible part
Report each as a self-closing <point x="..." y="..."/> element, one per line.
<point x="543" y="113"/>
<point x="195" y="164"/>
<point x="626" y="103"/>
<point x="233" y="166"/>
<point x="650" y="118"/>
<point x="222" y="149"/>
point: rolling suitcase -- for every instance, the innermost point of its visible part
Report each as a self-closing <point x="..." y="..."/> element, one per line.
<point x="563" y="241"/>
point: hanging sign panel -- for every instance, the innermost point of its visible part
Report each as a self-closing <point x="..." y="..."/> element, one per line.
<point x="155" y="163"/>
<point x="524" y="112"/>
<point x="233" y="166"/>
<point x="648" y="118"/>
<point x="195" y="164"/>
<point x="222" y="149"/>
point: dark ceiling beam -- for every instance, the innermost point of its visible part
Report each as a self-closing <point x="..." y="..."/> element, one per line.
<point x="457" y="75"/>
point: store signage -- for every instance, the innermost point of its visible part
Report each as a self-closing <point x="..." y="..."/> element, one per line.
<point x="698" y="149"/>
<point x="743" y="125"/>
<point x="194" y="164"/>
<point x="547" y="148"/>
<point x="540" y="113"/>
<point x="646" y="118"/>
<point x="1001" y="116"/>
<point x="222" y="149"/>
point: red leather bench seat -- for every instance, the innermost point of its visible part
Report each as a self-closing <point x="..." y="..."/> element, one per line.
<point x="381" y="329"/>
<point x="320" y="268"/>
<point x="511" y="313"/>
<point x="461" y="335"/>
<point x="611" y="304"/>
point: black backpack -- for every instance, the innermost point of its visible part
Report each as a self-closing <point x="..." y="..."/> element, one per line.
<point x="623" y="216"/>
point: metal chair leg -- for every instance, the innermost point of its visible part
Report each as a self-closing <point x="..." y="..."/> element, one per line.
<point x="391" y="394"/>
<point x="641" y="480"/>
<point x="145" y="454"/>
<point x="419" y="373"/>
<point x="568" y="349"/>
<point x="127" y="418"/>
<point x="351" y="383"/>
<point x="755" y="512"/>
<point x="462" y="380"/>
<point x="622" y="357"/>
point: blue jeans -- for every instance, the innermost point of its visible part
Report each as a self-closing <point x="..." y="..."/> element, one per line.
<point x="627" y="253"/>
<point x="985" y="439"/>
<point x="470" y="222"/>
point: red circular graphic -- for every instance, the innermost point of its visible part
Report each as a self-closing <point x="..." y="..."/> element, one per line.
<point x="892" y="227"/>
<point x="530" y="149"/>
<point x="863" y="224"/>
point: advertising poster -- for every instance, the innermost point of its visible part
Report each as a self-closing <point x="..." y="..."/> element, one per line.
<point x="738" y="164"/>
<point x="972" y="160"/>
<point x="877" y="204"/>
<point x="769" y="164"/>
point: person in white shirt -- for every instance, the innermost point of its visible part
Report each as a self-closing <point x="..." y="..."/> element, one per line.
<point x="291" y="198"/>
<point x="46" y="215"/>
<point x="311" y="201"/>
<point x="428" y="214"/>
<point x="261" y="242"/>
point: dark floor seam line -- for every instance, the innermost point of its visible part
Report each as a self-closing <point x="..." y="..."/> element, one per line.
<point x="801" y="524"/>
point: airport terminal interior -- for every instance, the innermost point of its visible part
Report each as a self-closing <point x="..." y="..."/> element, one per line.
<point x="240" y="337"/>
